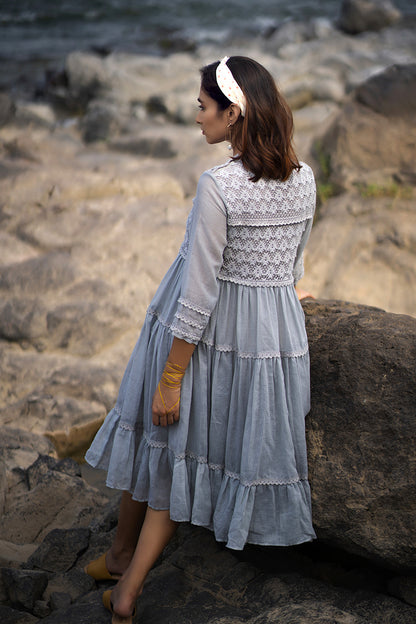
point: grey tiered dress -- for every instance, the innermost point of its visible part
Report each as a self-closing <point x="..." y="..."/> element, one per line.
<point x="236" y="460"/>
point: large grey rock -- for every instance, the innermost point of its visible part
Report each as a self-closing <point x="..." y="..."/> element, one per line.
<point x="38" y="275"/>
<point x="81" y="327"/>
<point x="372" y="141"/>
<point x="59" y="550"/>
<point x="362" y="430"/>
<point x="293" y="32"/>
<point x="101" y="120"/>
<point x="198" y="580"/>
<point x="44" y="463"/>
<point x="404" y="587"/>
<point x="359" y="15"/>
<point x="22" y="318"/>
<point x="8" y="615"/>
<point x="74" y="583"/>
<point x="63" y="399"/>
<point x="391" y="93"/>
<point x="87" y="78"/>
<point x="48" y="496"/>
<point x="59" y="601"/>
<point x="24" y="587"/>
<point x="18" y="450"/>
<point x="376" y="235"/>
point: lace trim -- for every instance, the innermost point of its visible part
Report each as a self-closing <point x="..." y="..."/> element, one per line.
<point x="268" y="221"/>
<point x="181" y="333"/>
<point x="255" y="284"/>
<point x="182" y="318"/>
<point x="193" y="306"/>
<point x="259" y="355"/>
<point x="185" y="335"/>
<point x="126" y="426"/>
<point x="220" y="467"/>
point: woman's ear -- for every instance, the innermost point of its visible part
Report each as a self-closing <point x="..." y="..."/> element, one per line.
<point x="233" y="113"/>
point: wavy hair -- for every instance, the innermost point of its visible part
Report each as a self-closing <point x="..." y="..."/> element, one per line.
<point x="263" y="137"/>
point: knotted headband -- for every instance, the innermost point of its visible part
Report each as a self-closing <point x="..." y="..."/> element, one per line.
<point x="229" y="86"/>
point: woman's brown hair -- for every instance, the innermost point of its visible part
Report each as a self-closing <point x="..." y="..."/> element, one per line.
<point x="263" y="137"/>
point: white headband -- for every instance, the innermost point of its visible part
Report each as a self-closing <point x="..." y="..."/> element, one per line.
<point x="229" y="86"/>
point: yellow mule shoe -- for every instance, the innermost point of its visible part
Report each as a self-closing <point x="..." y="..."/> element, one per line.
<point x="99" y="571"/>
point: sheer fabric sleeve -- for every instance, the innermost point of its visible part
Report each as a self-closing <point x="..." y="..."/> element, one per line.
<point x="298" y="269"/>
<point x="207" y="240"/>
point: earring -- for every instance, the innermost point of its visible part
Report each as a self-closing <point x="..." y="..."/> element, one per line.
<point x="229" y="125"/>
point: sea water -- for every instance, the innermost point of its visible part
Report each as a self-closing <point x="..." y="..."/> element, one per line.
<point x="37" y="34"/>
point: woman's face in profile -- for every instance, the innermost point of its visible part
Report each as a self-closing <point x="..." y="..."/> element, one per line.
<point x="213" y="122"/>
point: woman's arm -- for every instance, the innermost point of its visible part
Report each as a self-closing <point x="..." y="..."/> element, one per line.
<point x="199" y="294"/>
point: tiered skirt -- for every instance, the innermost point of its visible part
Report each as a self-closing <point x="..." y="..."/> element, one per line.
<point x="236" y="461"/>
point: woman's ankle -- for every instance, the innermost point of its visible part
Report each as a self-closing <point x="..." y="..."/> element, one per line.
<point x="124" y="597"/>
<point x="118" y="560"/>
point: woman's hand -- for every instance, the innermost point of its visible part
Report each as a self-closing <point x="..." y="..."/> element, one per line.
<point x="303" y="294"/>
<point x="166" y="399"/>
<point x="165" y="406"/>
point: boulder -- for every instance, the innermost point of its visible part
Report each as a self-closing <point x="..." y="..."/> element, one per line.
<point x="369" y="249"/>
<point x="13" y="555"/>
<point x="24" y="587"/>
<point x="36" y="114"/>
<point x="7" y="109"/>
<point x="59" y="600"/>
<point x="101" y="120"/>
<point x="302" y="92"/>
<point x="391" y="93"/>
<point x="14" y="616"/>
<point x="68" y="399"/>
<point x="361" y="430"/>
<point x="44" y="463"/>
<point x="198" y="580"/>
<point x="18" y="451"/>
<point x="21" y="319"/>
<point x="59" y="550"/>
<point x="293" y="32"/>
<point x="404" y="587"/>
<point x="38" y="275"/>
<point x="74" y="583"/>
<point x="48" y="495"/>
<point x="357" y="16"/>
<point x="372" y="141"/>
<point x="87" y="78"/>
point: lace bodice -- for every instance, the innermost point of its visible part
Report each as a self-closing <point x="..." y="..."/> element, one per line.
<point x="265" y="223"/>
<point x="265" y="202"/>
<point x="247" y="233"/>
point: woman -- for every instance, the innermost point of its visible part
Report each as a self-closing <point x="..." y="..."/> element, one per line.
<point x="209" y="422"/>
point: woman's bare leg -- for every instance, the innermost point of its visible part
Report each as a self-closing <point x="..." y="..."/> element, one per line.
<point x="157" y="530"/>
<point x="130" y="521"/>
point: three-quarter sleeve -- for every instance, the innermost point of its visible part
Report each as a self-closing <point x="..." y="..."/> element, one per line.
<point x="207" y="240"/>
<point x="298" y="268"/>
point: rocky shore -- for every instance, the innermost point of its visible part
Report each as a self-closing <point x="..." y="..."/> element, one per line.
<point x="96" y="182"/>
